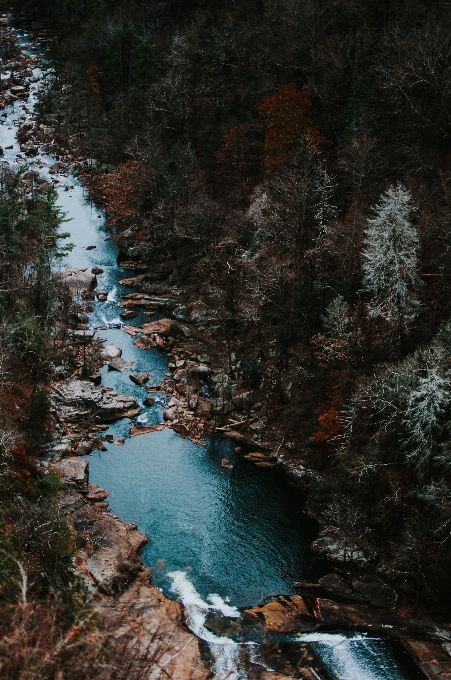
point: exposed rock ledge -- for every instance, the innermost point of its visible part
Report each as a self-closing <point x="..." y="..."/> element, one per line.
<point x="153" y="626"/>
<point x="297" y="614"/>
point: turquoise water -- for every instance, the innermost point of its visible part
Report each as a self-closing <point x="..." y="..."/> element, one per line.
<point x="218" y="539"/>
<point x="241" y="534"/>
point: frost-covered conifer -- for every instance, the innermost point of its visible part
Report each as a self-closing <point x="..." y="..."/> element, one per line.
<point x="425" y="406"/>
<point x="391" y="259"/>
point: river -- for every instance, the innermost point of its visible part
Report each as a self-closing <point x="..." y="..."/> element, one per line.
<point x="218" y="539"/>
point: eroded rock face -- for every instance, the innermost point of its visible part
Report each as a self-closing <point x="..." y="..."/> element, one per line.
<point x="73" y="472"/>
<point x="110" y="557"/>
<point x="115" y="562"/>
<point x="245" y="440"/>
<point x="96" y="493"/>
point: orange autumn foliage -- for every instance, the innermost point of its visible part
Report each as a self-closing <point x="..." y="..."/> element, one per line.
<point x="329" y="426"/>
<point x="289" y="125"/>
<point x="121" y="192"/>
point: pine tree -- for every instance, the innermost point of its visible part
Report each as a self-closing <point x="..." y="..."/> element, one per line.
<point x="391" y="259"/>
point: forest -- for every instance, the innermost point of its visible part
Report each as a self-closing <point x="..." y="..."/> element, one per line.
<point x="290" y="159"/>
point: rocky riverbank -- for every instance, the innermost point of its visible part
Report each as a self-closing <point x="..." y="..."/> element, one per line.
<point x="119" y="584"/>
<point x="207" y="395"/>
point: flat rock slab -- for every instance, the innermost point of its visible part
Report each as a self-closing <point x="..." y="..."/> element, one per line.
<point x="281" y="615"/>
<point x="120" y="364"/>
<point x="135" y="431"/>
<point x="78" y="279"/>
<point x="131" y="330"/>
<point x="146" y="300"/>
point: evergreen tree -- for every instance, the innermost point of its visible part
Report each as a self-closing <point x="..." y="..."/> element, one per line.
<point x="391" y="259"/>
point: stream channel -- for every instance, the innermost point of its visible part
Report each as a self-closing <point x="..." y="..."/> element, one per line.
<point x="218" y="539"/>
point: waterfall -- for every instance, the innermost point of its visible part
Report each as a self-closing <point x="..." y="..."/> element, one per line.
<point x="224" y="650"/>
<point x="358" y="657"/>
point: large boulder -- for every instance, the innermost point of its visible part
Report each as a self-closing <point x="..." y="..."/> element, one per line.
<point x="115" y="562"/>
<point x="181" y="313"/>
<point x="111" y="352"/>
<point x="120" y="364"/>
<point x="221" y="405"/>
<point x="83" y="448"/>
<point x="78" y="279"/>
<point x="339" y="588"/>
<point x="201" y="371"/>
<point x="281" y="615"/>
<point x="140" y="378"/>
<point x="376" y="592"/>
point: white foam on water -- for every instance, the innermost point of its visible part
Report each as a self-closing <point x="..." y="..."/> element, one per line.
<point x="112" y="295"/>
<point x="350" y="658"/>
<point x="142" y="419"/>
<point x="221" y="606"/>
<point x="224" y="650"/>
<point x="111" y="323"/>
